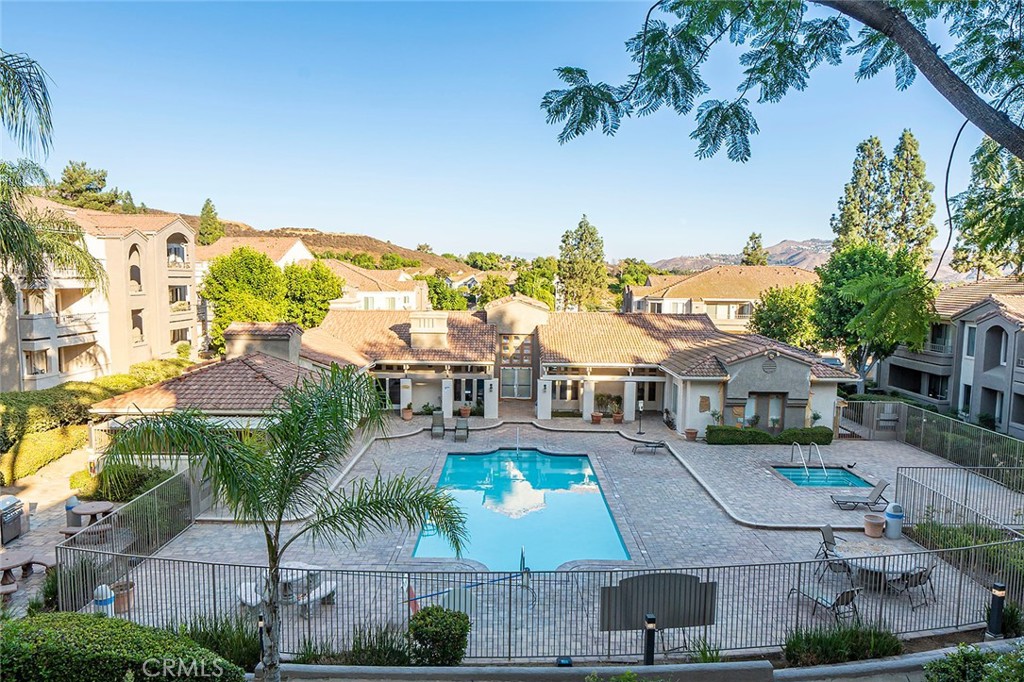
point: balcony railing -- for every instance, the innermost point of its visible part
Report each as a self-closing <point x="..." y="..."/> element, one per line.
<point x="181" y="306"/>
<point x="84" y="319"/>
<point x="178" y="264"/>
<point x="943" y="348"/>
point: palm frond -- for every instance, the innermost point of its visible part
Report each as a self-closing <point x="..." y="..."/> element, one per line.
<point x="25" y="101"/>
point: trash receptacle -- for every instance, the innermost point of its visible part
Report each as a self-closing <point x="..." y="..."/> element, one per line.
<point x="894" y="521"/>
<point x="72" y="519"/>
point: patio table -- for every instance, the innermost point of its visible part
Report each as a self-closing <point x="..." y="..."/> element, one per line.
<point x="94" y="510"/>
<point x="874" y="573"/>
<point x="298" y="578"/>
<point x="10" y="561"/>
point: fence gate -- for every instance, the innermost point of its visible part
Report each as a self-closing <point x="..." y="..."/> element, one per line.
<point x="868" y="420"/>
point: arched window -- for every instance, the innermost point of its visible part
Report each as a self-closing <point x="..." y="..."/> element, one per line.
<point x="177" y="250"/>
<point x="134" y="269"/>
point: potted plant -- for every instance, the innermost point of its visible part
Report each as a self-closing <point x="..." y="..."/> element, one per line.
<point x="754" y="421"/>
<point x="407" y="413"/>
<point x="465" y="409"/>
<point x="595" y="417"/>
<point x="617" y="414"/>
<point x="815" y="417"/>
<point x="775" y="423"/>
<point x="427" y="409"/>
<point x="716" y="416"/>
<point x="691" y="434"/>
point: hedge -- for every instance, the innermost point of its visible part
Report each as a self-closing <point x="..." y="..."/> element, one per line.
<point x="95" y="648"/>
<point x="36" y="450"/>
<point x="118" y="482"/>
<point x="730" y="435"/>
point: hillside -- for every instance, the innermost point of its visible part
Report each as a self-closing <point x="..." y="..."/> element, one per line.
<point x="807" y="254"/>
<point x="318" y="241"/>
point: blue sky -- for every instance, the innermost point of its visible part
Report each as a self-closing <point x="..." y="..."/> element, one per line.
<point x="420" y="122"/>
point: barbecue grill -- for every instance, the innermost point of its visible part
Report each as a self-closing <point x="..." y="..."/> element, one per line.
<point x="11" y="511"/>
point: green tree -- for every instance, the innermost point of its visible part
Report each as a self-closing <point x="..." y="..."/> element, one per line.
<point x="865" y="208"/>
<point x="442" y="296"/>
<point x="781" y="43"/>
<point x="281" y="472"/>
<point x="990" y="213"/>
<point x="210" y="227"/>
<point x="484" y="261"/>
<point x="309" y="289"/>
<point x="787" y="314"/>
<point x="243" y="286"/>
<point x="394" y="261"/>
<point x="754" y="252"/>
<point x="581" y="268"/>
<point x="32" y="242"/>
<point x="86" y="187"/>
<point x="532" y="283"/>
<point x="862" y="289"/>
<point x="911" y="227"/>
<point x="491" y="289"/>
<point x="424" y="248"/>
<point x="128" y="204"/>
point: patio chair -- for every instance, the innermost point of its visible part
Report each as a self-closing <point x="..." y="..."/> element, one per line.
<point x="919" y="578"/>
<point x="842" y="606"/>
<point x="828" y="542"/>
<point x="833" y="563"/>
<point x="871" y="500"/>
<point x="461" y="429"/>
<point x="437" y="425"/>
<point x="652" y="445"/>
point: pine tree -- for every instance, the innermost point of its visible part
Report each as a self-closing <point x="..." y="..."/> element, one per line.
<point x="210" y="227"/>
<point x="581" y="268"/>
<point x="866" y="206"/>
<point x="128" y="204"/>
<point x="911" y="225"/>
<point x="754" y="252"/>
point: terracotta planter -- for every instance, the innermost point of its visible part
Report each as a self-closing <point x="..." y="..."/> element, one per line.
<point x="617" y="417"/>
<point x="691" y="434"/>
<point x="407" y="414"/>
<point x="464" y="411"/>
<point x="124" y="595"/>
<point x="874" y="524"/>
<point x="595" y="417"/>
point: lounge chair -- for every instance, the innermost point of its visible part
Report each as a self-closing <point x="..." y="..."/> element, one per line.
<point x="437" y="426"/>
<point x="874" y="500"/>
<point x="841" y="606"/>
<point x="920" y="578"/>
<point x="461" y="429"/>
<point x="652" y="445"/>
<point x="828" y="542"/>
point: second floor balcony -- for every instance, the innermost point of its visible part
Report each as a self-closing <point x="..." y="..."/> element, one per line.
<point x="77" y="323"/>
<point x="940" y="347"/>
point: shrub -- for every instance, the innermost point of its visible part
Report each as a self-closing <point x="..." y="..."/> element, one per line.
<point x="1007" y="667"/>
<point x="36" y="450"/>
<point x="118" y="482"/>
<point x="184" y="350"/>
<point x="319" y="652"/>
<point x="48" y="646"/>
<point x="839" y="644"/>
<point x="966" y="664"/>
<point x="374" y="646"/>
<point x="117" y="384"/>
<point x="730" y="435"/>
<point x="234" y="637"/>
<point x="1012" y="625"/>
<point x="154" y="371"/>
<point x="440" y="636"/>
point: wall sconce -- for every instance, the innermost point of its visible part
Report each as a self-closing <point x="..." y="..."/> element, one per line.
<point x="544" y="388"/>
<point x="490" y="388"/>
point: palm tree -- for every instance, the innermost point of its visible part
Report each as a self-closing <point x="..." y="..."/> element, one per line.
<point x="32" y="242"/>
<point x="281" y="471"/>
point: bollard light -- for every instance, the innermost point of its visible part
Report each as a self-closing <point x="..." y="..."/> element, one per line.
<point x="995" y="612"/>
<point x="650" y="628"/>
<point x="260" y="623"/>
<point x="640" y="422"/>
<point x="563" y="662"/>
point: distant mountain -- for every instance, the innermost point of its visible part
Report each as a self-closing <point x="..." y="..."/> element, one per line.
<point x="807" y="254"/>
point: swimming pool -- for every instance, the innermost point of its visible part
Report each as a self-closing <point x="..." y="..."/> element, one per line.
<point x="815" y="477"/>
<point x="550" y="504"/>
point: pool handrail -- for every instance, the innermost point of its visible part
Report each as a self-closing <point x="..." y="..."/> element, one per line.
<point x="817" y="450"/>
<point x="803" y="461"/>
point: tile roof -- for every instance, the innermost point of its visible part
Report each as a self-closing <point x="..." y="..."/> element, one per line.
<point x="658" y="281"/>
<point x="520" y="298"/>
<point x="263" y="328"/>
<point x="957" y="298"/>
<point x="384" y="335"/>
<point x="372" y="280"/>
<point x="324" y="349"/>
<point x="729" y="282"/>
<point x="1012" y="305"/>
<point x="246" y="384"/>
<point x="274" y="247"/>
<point x="103" y="224"/>
<point x="687" y="345"/>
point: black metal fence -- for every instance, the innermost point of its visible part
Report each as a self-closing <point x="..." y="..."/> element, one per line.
<point x="956" y="441"/>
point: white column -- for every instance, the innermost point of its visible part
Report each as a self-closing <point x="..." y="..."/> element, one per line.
<point x="406" y="392"/>
<point x="629" y="401"/>
<point x="682" y="395"/>
<point x="447" y="397"/>
<point x="588" y="399"/>
<point x="491" y="399"/>
<point x="544" y="399"/>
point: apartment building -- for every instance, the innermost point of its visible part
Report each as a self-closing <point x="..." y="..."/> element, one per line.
<point x="973" y="362"/>
<point x="63" y="329"/>
<point x="377" y="289"/>
<point x="727" y="293"/>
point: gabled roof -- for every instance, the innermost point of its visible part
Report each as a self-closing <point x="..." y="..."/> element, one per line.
<point x="958" y="299"/>
<point x="713" y="356"/>
<point x="273" y="247"/>
<point x="324" y="349"/>
<point x="243" y="385"/>
<point x="264" y="328"/>
<point x="384" y="335"/>
<point x="363" y="279"/>
<point x="728" y="282"/>
<point x="103" y="224"/>
<point x="518" y="298"/>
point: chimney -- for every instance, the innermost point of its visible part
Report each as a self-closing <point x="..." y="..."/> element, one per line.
<point x="279" y="339"/>
<point x="428" y="329"/>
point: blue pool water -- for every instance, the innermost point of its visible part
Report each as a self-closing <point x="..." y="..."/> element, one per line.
<point x="816" y="478"/>
<point x="550" y="504"/>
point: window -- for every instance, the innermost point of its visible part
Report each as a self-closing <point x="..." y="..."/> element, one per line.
<point x="565" y="390"/>
<point x="516" y="349"/>
<point x="940" y="341"/>
<point x="179" y="335"/>
<point x="1004" y="343"/>
<point x="137" y="332"/>
<point x="965" y="399"/>
<point x="938" y="387"/>
<point x="32" y="300"/>
<point x="391" y="302"/>
<point x="177" y="254"/>
<point x="998" y="409"/>
<point x="35" y="362"/>
<point x="745" y="309"/>
<point x="647" y="390"/>
<point x="972" y="337"/>
<point x="405" y="300"/>
<point x="654" y="307"/>
<point x="367" y="303"/>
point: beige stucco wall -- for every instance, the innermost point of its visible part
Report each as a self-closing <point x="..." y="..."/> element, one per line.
<point x="516" y="317"/>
